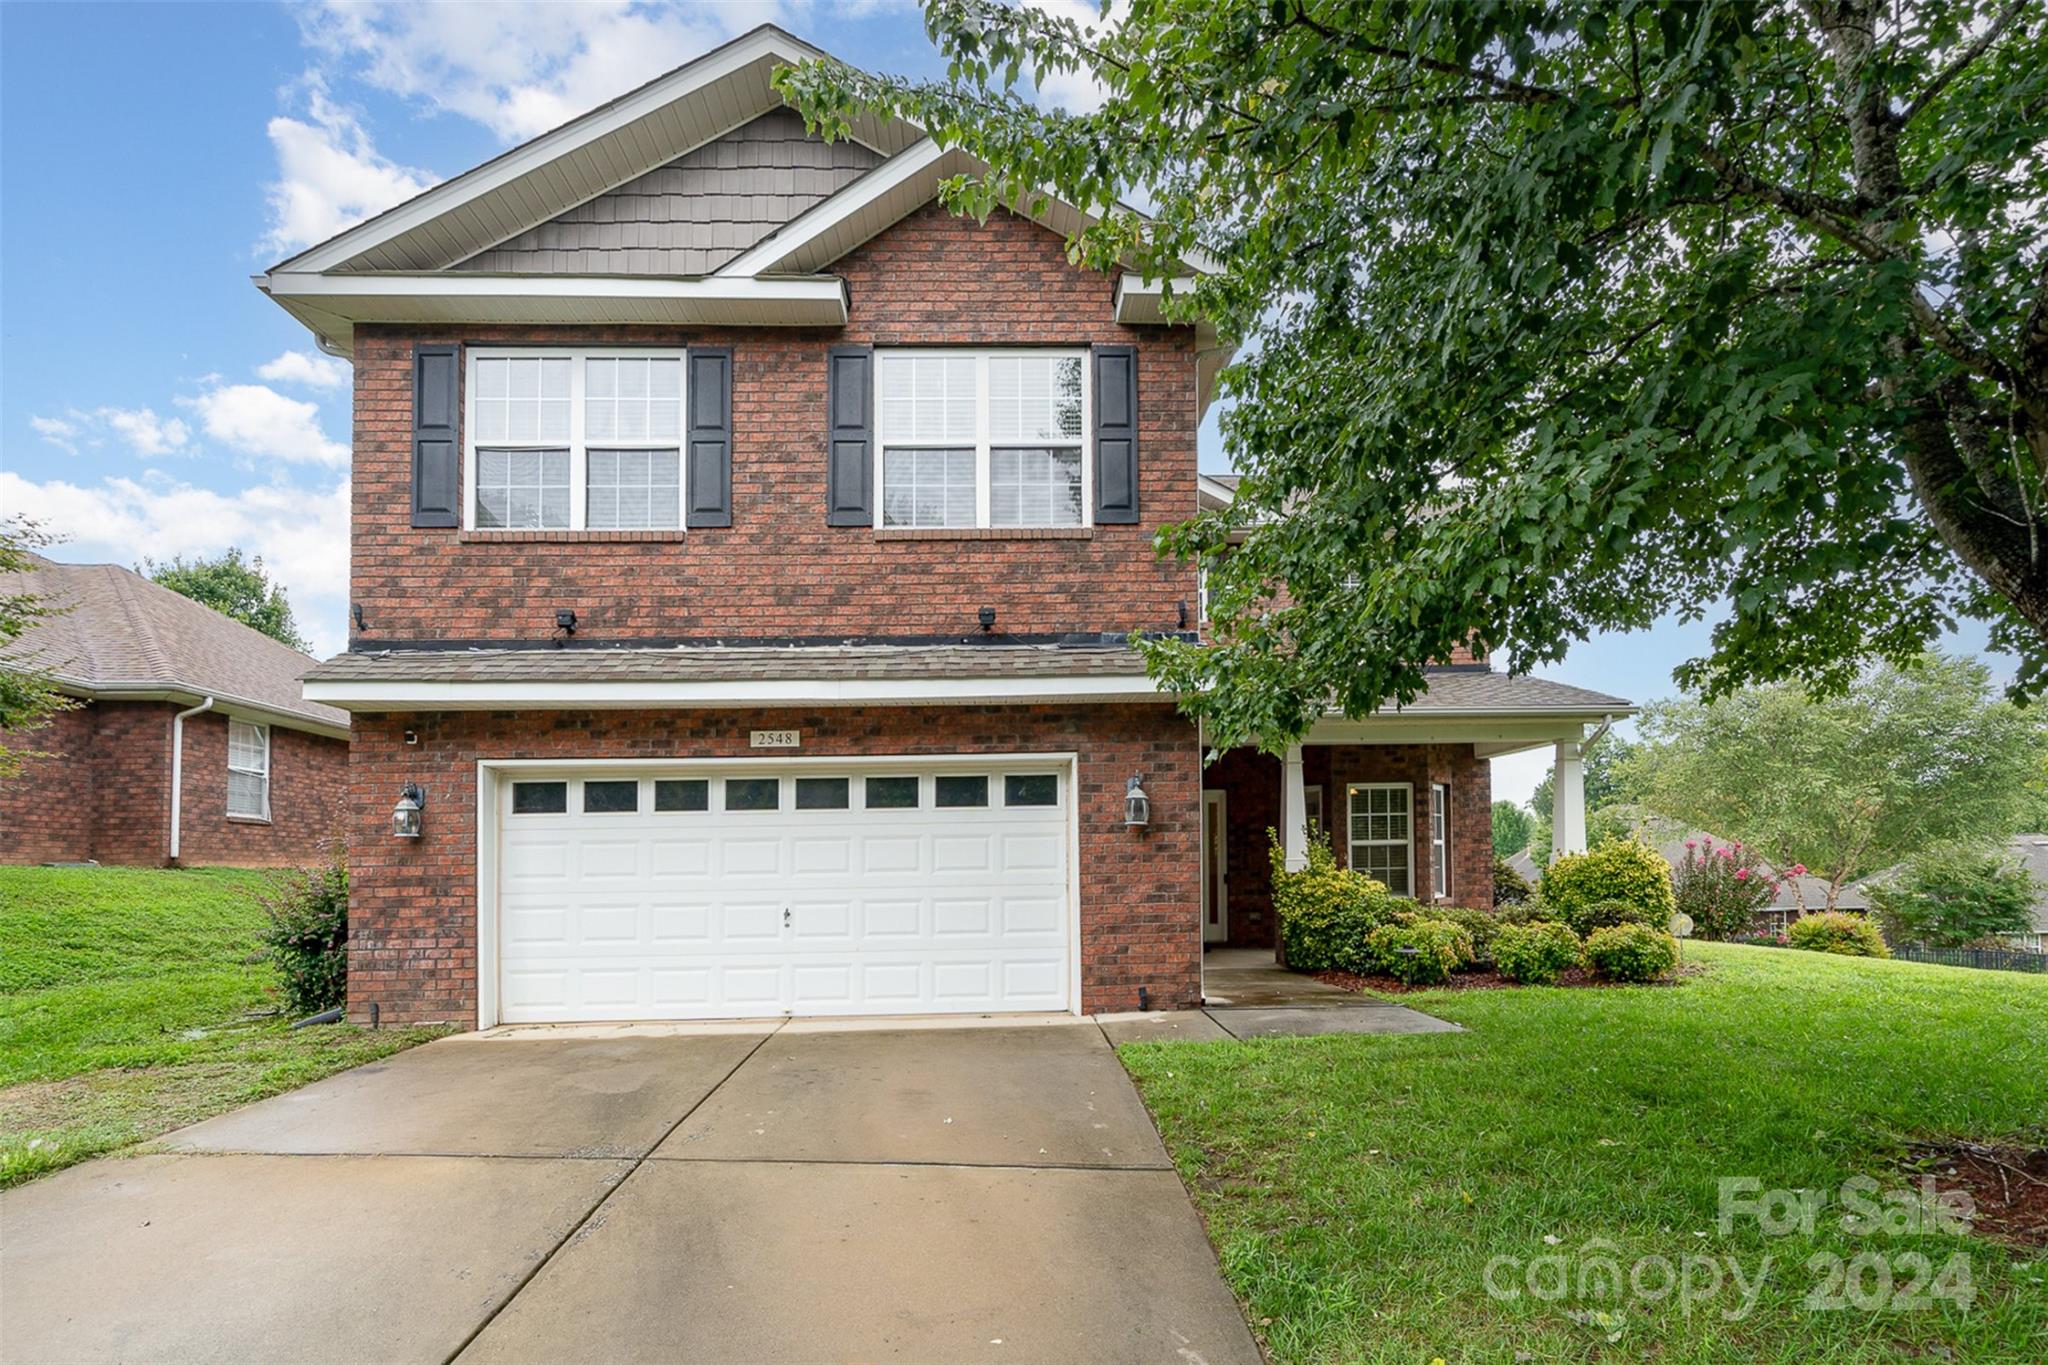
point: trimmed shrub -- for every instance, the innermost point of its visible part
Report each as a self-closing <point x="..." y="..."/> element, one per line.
<point x="1618" y="870"/>
<point x="1588" y="919"/>
<point x="1836" y="931"/>
<point x="306" y="935"/>
<point x="1440" y="948"/>
<point x="1536" y="953"/>
<point x="1534" y="910"/>
<point x="1509" y="886"/>
<point x="1325" y="911"/>
<point x="1482" y="925"/>
<point x="1631" y="952"/>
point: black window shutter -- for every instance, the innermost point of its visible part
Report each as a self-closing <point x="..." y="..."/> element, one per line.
<point x="710" y="436"/>
<point x="1116" y="434"/>
<point x="437" y="435"/>
<point x="849" y="436"/>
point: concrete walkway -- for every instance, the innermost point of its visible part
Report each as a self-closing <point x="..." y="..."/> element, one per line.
<point x="1248" y="995"/>
<point x="754" y="1194"/>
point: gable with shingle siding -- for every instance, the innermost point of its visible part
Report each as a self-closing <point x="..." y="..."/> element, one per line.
<point x="693" y="214"/>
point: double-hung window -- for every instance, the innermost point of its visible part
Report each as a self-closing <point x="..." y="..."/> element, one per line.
<point x="982" y="439"/>
<point x="573" y="440"/>
<point x="248" y="770"/>
<point x="1440" y="838"/>
<point x="1382" y="833"/>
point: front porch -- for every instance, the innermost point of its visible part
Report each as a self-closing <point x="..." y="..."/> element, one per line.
<point x="1405" y="795"/>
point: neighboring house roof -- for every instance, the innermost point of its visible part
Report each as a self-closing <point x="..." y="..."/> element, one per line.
<point x="1671" y="846"/>
<point x="123" y="637"/>
<point x="696" y="199"/>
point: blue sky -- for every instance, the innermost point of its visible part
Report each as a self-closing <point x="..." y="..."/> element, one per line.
<point x="152" y="403"/>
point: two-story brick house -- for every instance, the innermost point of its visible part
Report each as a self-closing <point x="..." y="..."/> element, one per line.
<point x="744" y="555"/>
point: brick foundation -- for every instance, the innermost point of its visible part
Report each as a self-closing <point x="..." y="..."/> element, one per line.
<point x="413" y="910"/>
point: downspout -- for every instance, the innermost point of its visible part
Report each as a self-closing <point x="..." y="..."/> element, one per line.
<point x="178" y="768"/>
<point x="1606" y="724"/>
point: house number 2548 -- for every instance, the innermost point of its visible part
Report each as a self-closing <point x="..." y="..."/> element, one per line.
<point x="774" y="739"/>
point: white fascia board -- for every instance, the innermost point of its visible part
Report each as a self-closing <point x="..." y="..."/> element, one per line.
<point x="821" y="218"/>
<point x="471" y="285"/>
<point x="549" y="696"/>
<point x="735" y="56"/>
<point x="1208" y="487"/>
<point x="185" y="694"/>
<point x="1140" y="301"/>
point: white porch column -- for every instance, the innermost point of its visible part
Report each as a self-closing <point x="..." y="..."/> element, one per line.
<point x="1568" y="801"/>
<point x="1293" y="810"/>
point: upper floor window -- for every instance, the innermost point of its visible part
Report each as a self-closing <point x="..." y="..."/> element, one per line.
<point x="248" y="770"/>
<point x="575" y="440"/>
<point x="982" y="438"/>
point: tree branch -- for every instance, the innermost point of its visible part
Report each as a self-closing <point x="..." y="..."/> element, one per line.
<point x="1964" y="59"/>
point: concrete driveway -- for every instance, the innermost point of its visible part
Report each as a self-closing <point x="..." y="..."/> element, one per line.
<point x="955" y="1193"/>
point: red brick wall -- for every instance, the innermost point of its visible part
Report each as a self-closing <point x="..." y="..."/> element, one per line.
<point x="308" y="786"/>
<point x="104" y="794"/>
<point x="933" y="279"/>
<point x="1251" y="781"/>
<point x="412" y="945"/>
<point x="46" y="811"/>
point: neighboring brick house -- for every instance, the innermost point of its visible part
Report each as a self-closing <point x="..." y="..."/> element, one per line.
<point x="745" y="553"/>
<point x="191" y="741"/>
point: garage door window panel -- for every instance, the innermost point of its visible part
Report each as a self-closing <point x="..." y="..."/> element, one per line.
<point x="753" y="793"/>
<point x="682" y="794"/>
<point x="891" y="793"/>
<point x="1031" y="789"/>
<point x="952" y="791"/>
<point x="611" y="798"/>
<point x="822" y="793"/>
<point x="540" y="798"/>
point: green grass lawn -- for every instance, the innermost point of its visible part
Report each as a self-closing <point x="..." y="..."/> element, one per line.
<point x="1357" y="1188"/>
<point x="126" y="1004"/>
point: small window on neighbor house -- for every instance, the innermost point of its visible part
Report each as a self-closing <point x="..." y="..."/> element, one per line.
<point x="611" y="798"/>
<point x="687" y="793"/>
<point x="540" y="798"/>
<point x="1440" y="837"/>
<point x="960" y="792"/>
<point x="248" y="770"/>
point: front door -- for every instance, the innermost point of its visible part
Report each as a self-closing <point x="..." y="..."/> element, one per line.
<point x="1215" y="870"/>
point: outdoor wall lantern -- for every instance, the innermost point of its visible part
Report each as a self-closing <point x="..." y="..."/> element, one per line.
<point x="1137" y="805"/>
<point x="405" y="816"/>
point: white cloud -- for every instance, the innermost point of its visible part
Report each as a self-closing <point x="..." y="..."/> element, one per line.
<point x="57" y="431"/>
<point x="144" y="431"/>
<point x="140" y="429"/>
<point x="329" y="175"/>
<point x="257" y="420"/>
<point x="521" y="68"/>
<point x="301" y="534"/>
<point x="304" y="367"/>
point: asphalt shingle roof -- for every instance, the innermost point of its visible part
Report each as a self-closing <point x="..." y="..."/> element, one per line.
<point x="123" y="632"/>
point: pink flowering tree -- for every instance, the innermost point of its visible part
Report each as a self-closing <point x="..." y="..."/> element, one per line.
<point x="1722" y="888"/>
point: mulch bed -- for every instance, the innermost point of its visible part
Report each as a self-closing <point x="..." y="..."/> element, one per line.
<point x="1489" y="980"/>
<point x="2007" y="1185"/>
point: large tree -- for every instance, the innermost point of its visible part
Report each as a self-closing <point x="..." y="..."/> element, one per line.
<point x="234" y="587"/>
<point x="1906" y="760"/>
<point x="27" y="697"/>
<point x="1557" y="317"/>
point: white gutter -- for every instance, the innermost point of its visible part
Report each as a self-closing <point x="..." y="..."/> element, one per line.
<point x="492" y="696"/>
<point x="178" y="768"/>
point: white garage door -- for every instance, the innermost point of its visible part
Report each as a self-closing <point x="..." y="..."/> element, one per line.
<point x="754" y="891"/>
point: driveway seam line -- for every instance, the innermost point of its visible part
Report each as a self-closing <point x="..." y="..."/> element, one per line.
<point x="606" y="1198"/>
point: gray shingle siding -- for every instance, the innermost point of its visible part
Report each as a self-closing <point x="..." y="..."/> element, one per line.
<point x="693" y="214"/>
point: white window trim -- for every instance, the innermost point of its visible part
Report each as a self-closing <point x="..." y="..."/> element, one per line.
<point x="1352" y="845"/>
<point x="1440" y="839"/>
<point x="983" y="443"/>
<point x="579" y="452"/>
<point x="262" y="733"/>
